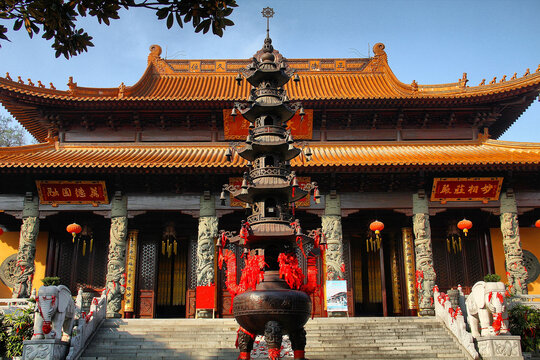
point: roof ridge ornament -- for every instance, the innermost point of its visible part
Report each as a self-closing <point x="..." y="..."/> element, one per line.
<point x="268" y="12"/>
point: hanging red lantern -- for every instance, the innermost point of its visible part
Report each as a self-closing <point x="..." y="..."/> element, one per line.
<point x="537" y="224"/>
<point x="376" y="226"/>
<point x="464" y="225"/>
<point x="74" y="229"/>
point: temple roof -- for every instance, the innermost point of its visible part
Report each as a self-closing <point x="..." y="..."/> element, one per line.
<point x="466" y="155"/>
<point x="363" y="81"/>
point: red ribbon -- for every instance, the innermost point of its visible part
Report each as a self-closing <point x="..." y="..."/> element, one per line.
<point x="273" y="353"/>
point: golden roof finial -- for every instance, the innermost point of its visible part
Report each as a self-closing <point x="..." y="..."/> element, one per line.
<point x="514" y="77"/>
<point x="528" y="72"/>
<point x="19" y="80"/>
<point x="52" y="86"/>
<point x="483" y="82"/>
<point x="30" y="82"/>
<point x="493" y="81"/>
<point x="8" y="77"/>
<point x="463" y="81"/>
<point x="414" y="85"/>
<point x="503" y="79"/>
<point x="40" y="84"/>
<point x="538" y="68"/>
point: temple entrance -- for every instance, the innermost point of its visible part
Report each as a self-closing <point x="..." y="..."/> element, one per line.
<point x="172" y="279"/>
<point x="373" y="263"/>
<point x="164" y="268"/>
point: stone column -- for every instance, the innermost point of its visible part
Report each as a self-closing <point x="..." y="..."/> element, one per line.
<point x="208" y="232"/>
<point x="513" y="254"/>
<point x="24" y="272"/>
<point x="131" y="262"/>
<point x="331" y="228"/>
<point x="425" y="274"/>
<point x="409" y="268"/>
<point x="115" y="279"/>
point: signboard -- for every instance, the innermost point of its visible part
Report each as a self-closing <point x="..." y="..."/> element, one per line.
<point x="466" y="189"/>
<point x="336" y="295"/>
<point x="56" y="192"/>
<point x="236" y="128"/>
<point x="302" y="182"/>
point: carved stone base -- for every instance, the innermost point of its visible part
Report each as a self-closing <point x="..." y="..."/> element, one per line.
<point x="45" y="349"/>
<point x="502" y="347"/>
<point x="427" y="312"/>
<point x="113" y="315"/>
<point x="204" y="314"/>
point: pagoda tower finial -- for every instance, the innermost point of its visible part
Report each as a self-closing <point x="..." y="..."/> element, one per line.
<point x="268" y="12"/>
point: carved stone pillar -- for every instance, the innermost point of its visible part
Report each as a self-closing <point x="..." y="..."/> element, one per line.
<point x="131" y="265"/>
<point x="425" y="273"/>
<point x="24" y="272"/>
<point x="115" y="279"/>
<point x="513" y="254"/>
<point x="208" y="231"/>
<point x="409" y="268"/>
<point x="331" y="227"/>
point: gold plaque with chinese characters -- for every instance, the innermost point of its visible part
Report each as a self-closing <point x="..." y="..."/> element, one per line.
<point x="466" y="189"/>
<point x="56" y="192"/>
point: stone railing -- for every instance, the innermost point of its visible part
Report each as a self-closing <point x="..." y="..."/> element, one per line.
<point x="10" y="305"/>
<point x="452" y="316"/>
<point x="87" y="324"/>
<point x="527" y="300"/>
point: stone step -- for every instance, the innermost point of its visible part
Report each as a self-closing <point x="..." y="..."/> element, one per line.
<point x="327" y="338"/>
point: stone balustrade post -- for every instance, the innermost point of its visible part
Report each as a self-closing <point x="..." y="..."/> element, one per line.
<point x="513" y="253"/>
<point x="25" y="268"/>
<point x="425" y="273"/>
<point x="207" y="234"/>
<point x="116" y="265"/>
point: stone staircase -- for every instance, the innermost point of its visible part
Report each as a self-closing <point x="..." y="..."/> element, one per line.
<point x="327" y="338"/>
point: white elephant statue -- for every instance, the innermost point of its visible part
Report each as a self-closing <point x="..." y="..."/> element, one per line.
<point x="55" y="310"/>
<point x="486" y="309"/>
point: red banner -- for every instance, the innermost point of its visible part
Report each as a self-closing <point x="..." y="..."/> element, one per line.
<point x="72" y="192"/>
<point x="466" y="189"/>
<point x="302" y="182"/>
<point x="236" y="128"/>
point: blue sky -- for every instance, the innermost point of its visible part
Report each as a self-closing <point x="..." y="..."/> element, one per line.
<point x="432" y="42"/>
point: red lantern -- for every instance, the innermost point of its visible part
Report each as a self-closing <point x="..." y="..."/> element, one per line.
<point x="537" y="224"/>
<point x="376" y="226"/>
<point x="1" y="231"/>
<point x="464" y="225"/>
<point x="74" y="229"/>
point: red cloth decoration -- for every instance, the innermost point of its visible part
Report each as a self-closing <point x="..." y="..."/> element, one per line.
<point x="244" y="231"/>
<point x="46" y="328"/>
<point x="290" y="271"/>
<point x="273" y="353"/>
<point x="244" y="356"/>
<point x="497" y="323"/>
<point x="300" y="245"/>
<point x="419" y="275"/>
<point x="252" y="274"/>
<point x="299" y="354"/>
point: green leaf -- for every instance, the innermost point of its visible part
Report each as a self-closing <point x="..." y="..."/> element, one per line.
<point x="179" y="20"/>
<point x="227" y="22"/>
<point x="17" y="25"/>
<point x="162" y="13"/>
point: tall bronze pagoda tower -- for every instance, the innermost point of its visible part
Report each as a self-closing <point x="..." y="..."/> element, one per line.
<point x="272" y="298"/>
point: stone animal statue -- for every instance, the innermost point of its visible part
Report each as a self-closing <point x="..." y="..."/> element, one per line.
<point x="486" y="309"/>
<point x="55" y="310"/>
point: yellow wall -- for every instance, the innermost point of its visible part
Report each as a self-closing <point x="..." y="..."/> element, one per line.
<point x="530" y="240"/>
<point x="9" y="244"/>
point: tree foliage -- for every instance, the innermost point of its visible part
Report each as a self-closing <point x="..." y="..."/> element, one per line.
<point x="11" y="133"/>
<point x="57" y="19"/>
